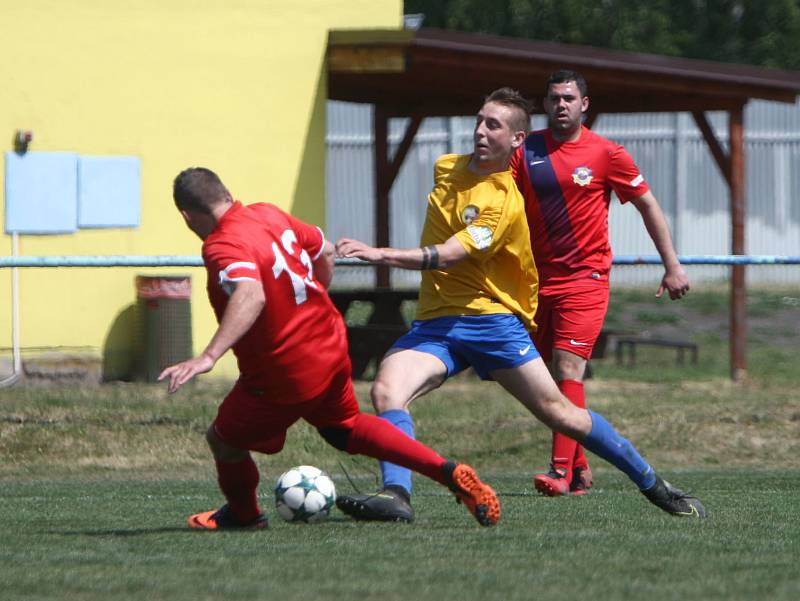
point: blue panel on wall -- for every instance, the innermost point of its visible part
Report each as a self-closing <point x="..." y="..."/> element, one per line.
<point x="109" y="191"/>
<point x="41" y="192"/>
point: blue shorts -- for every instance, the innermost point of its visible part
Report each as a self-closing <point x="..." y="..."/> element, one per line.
<point x="485" y="342"/>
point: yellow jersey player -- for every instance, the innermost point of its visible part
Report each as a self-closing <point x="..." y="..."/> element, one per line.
<point x="486" y="215"/>
<point x="476" y="306"/>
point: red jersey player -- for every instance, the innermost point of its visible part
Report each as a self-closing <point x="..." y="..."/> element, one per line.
<point x="566" y="174"/>
<point x="267" y="279"/>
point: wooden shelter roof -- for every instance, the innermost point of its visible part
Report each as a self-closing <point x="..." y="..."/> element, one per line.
<point x="434" y="72"/>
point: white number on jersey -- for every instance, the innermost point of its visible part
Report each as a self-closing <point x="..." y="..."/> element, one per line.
<point x="288" y="240"/>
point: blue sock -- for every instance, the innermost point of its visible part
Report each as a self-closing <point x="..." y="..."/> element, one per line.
<point x="393" y="474"/>
<point x="606" y="442"/>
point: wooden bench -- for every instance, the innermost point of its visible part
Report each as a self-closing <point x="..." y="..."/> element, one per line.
<point x="629" y="344"/>
<point x="385" y="324"/>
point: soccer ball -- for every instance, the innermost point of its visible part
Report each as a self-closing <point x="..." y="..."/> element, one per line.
<point x="304" y="494"/>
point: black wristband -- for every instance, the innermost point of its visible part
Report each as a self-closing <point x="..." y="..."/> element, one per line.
<point x="434" y="257"/>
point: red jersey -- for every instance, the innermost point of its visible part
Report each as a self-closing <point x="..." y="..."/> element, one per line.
<point x="567" y="189"/>
<point x="299" y="341"/>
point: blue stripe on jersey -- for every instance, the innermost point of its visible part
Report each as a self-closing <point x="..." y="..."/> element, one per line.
<point x="552" y="203"/>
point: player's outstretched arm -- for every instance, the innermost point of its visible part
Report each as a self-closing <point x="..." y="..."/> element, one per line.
<point x="244" y="307"/>
<point x="675" y="280"/>
<point x="435" y="256"/>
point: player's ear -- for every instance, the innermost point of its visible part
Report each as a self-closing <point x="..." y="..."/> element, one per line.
<point x="584" y="104"/>
<point x="518" y="139"/>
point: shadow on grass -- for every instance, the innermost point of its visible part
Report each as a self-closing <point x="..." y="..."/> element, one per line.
<point x="126" y="531"/>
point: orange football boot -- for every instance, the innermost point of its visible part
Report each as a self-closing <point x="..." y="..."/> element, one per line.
<point x="223" y="519"/>
<point x="479" y="498"/>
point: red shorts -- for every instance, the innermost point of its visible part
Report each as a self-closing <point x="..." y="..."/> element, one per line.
<point x="247" y="420"/>
<point x="570" y="320"/>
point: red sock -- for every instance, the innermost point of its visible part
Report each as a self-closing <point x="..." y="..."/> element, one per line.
<point x="377" y="438"/>
<point x="575" y="392"/>
<point x="238" y="482"/>
<point x="567" y="453"/>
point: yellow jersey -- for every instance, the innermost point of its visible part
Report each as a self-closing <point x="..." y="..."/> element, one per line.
<point x="486" y="214"/>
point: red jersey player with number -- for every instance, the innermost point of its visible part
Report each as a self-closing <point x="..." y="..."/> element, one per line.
<point x="566" y="174"/>
<point x="267" y="279"/>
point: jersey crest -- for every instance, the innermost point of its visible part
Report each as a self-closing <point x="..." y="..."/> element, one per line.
<point x="582" y="176"/>
<point x="469" y="214"/>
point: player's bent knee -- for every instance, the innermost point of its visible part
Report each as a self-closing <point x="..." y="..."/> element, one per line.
<point x="570" y="369"/>
<point x="383" y="399"/>
<point x="222" y="451"/>
<point x="336" y="437"/>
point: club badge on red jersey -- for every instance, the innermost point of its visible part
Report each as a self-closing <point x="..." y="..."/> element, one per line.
<point x="582" y="176"/>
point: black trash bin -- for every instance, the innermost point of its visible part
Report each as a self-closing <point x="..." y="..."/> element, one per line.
<point x="163" y="323"/>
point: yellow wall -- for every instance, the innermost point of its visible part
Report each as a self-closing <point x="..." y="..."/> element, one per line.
<point x="237" y="86"/>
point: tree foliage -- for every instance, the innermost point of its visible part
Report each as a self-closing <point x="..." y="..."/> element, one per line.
<point x="758" y="32"/>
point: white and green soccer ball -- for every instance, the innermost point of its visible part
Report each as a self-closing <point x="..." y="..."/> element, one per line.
<point x="304" y="494"/>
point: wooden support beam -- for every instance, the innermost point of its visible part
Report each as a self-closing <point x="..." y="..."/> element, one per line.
<point x="403" y="148"/>
<point x="366" y="60"/>
<point x="738" y="309"/>
<point x="732" y="166"/>
<point x="380" y="128"/>
<point x="386" y="171"/>
<point x="719" y="154"/>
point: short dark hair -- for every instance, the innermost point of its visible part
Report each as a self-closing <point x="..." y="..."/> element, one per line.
<point x="564" y="76"/>
<point x="512" y="98"/>
<point x="198" y="189"/>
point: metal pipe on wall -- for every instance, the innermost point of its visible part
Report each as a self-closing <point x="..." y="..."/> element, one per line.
<point x="16" y="351"/>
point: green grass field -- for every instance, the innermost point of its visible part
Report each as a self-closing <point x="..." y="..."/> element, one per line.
<point x="96" y="483"/>
<point x="125" y="539"/>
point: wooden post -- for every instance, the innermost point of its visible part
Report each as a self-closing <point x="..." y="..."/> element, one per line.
<point x="386" y="171"/>
<point x="738" y="309"/>
<point x="380" y="127"/>
<point x="732" y="166"/>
